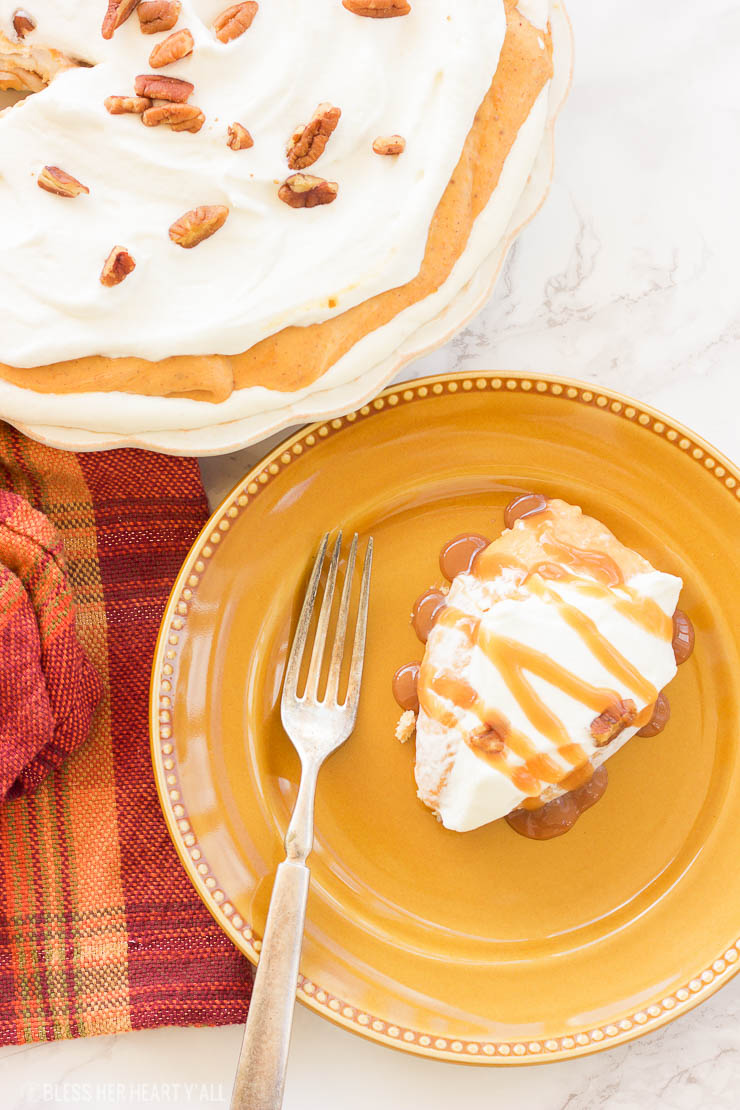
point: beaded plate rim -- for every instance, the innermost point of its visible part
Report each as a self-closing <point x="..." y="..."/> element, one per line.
<point x="494" y="1052"/>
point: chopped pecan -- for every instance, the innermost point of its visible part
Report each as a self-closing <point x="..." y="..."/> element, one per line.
<point x="158" y="87"/>
<point x="198" y="224"/>
<point x="309" y="140"/>
<point x="193" y="124"/>
<point x="235" y="20"/>
<point x="62" y="184"/>
<point x="172" y="49"/>
<point x="301" y="190"/>
<point x="389" y="144"/>
<point x="158" y="15"/>
<point x="377" y="9"/>
<point x="120" y="105"/>
<point x="406" y="726"/>
<point x="180" y="117"/>
<point x="489" y="739"/>
<point x="117" y="266"/>
<point x="23" y="23"/>
<point x="239" y="138"/>
<point x="612" y="721"/>
<point x="118" y="12"/>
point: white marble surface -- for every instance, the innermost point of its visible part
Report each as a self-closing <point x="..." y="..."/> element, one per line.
<point x="628" y="278"/>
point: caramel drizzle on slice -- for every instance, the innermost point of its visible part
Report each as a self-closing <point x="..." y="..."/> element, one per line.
<point x="602" y="649"/>
<point x="595" y="563"/>
<point x="635" y="607"/>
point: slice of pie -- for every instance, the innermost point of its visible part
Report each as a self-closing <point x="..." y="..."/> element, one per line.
<point x="542" y="660"/>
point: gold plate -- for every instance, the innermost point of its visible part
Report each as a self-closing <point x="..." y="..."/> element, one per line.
<point x="482" y="946"/>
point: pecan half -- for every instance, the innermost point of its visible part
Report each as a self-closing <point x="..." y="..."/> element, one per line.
<point x="377" y="9"/>
<point x="239" y="138"/>
<point x="158" y="15"/>
<point x="117" y="266"/>
<point x="235" y="21"/>
<point x="172" y="49"/>
<point x="198" y="224"/>
<point x="309" y="140"/>
<point x="389" y="144"/>
<point x="612" y="721"/>
<point x="23" y="23"/>
<point x="118" y="12"/>
<point x="180" y="117"/>
<point x="158" y="87"/>
<point x="62" y="184"/>
<point x="301" y="190"/>
<point x="120" y="105"/>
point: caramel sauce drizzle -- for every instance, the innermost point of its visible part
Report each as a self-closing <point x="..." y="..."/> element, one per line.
<point x="601" y="648"/>
<point x="558" y="816"/>
<point x="426" y="610"/>
<point x="600" y="566"/>
<point x="459" y="554"/>
<point x="406" y="686"/>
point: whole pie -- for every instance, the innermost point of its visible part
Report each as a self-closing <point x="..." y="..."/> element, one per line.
<point x="200" y="199"/>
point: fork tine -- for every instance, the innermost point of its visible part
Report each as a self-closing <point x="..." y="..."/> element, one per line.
<point x="301" y="633"/>
<point x="314" y="670"/>
<point x="358" y="651"/>
<point x="332" y="684"/>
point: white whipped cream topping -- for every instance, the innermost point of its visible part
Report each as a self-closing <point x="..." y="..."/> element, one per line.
<point x="421" y="75"/>
<point x="475" y="792"/>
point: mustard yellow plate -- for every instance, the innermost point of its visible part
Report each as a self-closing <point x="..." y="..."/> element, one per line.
<point x="482" y="947"/>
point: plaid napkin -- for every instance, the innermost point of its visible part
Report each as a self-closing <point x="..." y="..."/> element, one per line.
<point x="100" y="930"/>
<point x="48" y="687"/>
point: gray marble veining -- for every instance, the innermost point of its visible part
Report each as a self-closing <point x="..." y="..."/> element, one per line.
<point x="627" y="277"/>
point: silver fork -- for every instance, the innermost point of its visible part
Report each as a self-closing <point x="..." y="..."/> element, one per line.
<point x="316" y="729"/>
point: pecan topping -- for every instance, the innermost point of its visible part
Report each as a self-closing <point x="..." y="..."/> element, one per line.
<point x="613" y="721"/>
<point x="301" y="190"/>
<point x="308" y="141"/>
<point x="117" y="266"/>
<point x="118" y="12"/>
<point x="180" y="117"/>
<point x="235" y="21"/>
<point x="389" y="144"/>
<point x="239" y="138"/>
<point x="377" y="9"/>
<point x="23" y="23"/>
<point x="119" y="105"/>
<point x="198" y="224"/>
<point x="158" y="15"/>
<point x="62" y="184"/>
<point x="158" y="87"/>
<point x="172" y="49"/>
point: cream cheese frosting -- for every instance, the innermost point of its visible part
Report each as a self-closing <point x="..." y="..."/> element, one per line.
<point x="422" y="76"/>
<point x="545" y="616"/>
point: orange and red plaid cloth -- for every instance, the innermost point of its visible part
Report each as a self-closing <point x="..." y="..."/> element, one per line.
<point x="100" y="930"/>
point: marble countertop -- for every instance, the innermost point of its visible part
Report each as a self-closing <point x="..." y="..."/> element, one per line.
<point x="627" y="277"/>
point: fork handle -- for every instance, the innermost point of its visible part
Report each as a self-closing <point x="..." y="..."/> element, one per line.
<point x="260" y="1076"/>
